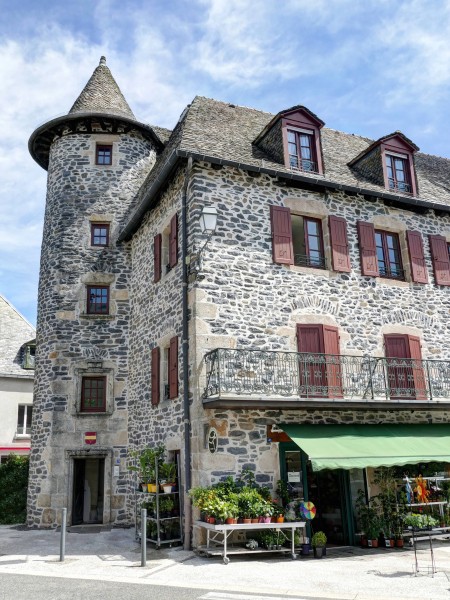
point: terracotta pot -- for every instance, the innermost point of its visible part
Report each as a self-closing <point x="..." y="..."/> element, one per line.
<point x="246" y="521"/>
<point x="279" y="519"/>
<point x="254" y="520"/>
<point x="364" y="542"/>
<point x="229" y="521"/>
<point x="399" y="543"/>
<point x="374" y="543"/>
<point x="273" y="520"/>
<point x="210" y="520"/>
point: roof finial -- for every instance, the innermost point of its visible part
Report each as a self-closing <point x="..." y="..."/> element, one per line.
<point x="102" y="60"/>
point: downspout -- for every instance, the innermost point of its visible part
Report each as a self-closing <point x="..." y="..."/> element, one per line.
<point x="185" y="354"/>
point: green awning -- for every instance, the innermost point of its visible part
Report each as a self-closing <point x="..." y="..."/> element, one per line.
<point x="359" y="446"/>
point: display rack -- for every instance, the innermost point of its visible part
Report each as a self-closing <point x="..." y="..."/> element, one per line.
<point x="161" y="530"/>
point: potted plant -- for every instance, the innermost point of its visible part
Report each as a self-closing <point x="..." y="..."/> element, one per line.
<point x="148" y="461"/>
<point x="319" y="540"/>
<point x="168" y="472"/>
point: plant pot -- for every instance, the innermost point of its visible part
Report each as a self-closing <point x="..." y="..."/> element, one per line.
<point x="254" y="521"/>
<point x="305" y="549"/>
<point x="266" y="520"/>
<point x="279" y="519"/>
<point x="246" y="521"/>
<point x="374" y="543"/>
<point x="399" y="543"/>
<point x="319" y="551"/>
<point x="152" y="488"/>
<point x="229" y="521"/>
<point x="261" y="520"/>
<point x="167" y="488"/>
<point x="364" y="542"/>
<point x="273" y="519"/>
<point x="210" y="520"/>
<point x="144" y="488"/>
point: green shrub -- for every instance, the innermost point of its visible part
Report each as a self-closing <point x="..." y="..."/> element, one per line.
<point x="13" y="489"/>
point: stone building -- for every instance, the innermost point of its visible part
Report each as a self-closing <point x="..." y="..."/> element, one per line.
<point x="316" y="309"/>
<point x="17" y="346"/>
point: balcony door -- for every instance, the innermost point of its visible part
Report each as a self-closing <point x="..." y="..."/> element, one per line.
<point x="319" y="363"/>
<point x="405" y="373"/>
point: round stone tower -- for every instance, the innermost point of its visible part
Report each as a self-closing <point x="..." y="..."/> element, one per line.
<point x="97" y="157"/>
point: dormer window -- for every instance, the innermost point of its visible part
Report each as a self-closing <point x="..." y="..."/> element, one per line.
<point x="301" y="150"/>
<point x="398" y="172"/>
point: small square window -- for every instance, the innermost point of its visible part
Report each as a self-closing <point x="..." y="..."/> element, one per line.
<point x="93" y="394"/>
<point x="24" y="419"/>
<point x="307" y="242"/>
<point x="97" y="300"/>
<point x="99" y="234"/>
<point x="389" y="255"/>
<point x="103" y="154"/>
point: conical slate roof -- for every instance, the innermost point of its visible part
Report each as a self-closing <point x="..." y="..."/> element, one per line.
<point x="101" y="94"/>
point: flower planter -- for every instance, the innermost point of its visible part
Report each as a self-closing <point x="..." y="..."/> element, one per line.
<point x="167" y="488"/>
<point x="399" y="543"/>
<point x="254" y="520"/>
<point x="246" y="521"/>
<point x="152" y="488"/>
<point x="279" y="519"/>
<point x="305" y="549"/>
<point x="374" y="543"/>
<point x="319" y="551"/>
<point x="266" y="520"/>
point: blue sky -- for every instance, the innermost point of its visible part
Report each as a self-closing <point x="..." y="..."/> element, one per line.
<point x="367" y="67"/>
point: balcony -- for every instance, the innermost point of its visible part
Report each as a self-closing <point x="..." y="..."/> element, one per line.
<point x="271" y="379"/>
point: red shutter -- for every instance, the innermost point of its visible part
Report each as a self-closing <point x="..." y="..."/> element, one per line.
<point x="173" y="241"/>
<point x="406" y="378"/>
<point x="282" y="249"/>
<point x="173" y="368"/>
<point x="333" y="363"/>
<point x="417" y="367"/>
<point x="416" y="256"/>
<point x="339" y="244"/>
<point x="310" y="338"/>
<point x="367" y="249"/>
<point x="157" y="243"/>
<point x="155" y="375"/>
<point x="440" y="258"/>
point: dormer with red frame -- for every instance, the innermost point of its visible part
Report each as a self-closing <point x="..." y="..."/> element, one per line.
<point x="293" y="138"/>
<point x="389" y="162"/>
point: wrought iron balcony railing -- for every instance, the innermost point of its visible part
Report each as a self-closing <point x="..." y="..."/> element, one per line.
<point x="294" y="375"/>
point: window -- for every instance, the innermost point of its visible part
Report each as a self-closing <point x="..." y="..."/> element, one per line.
<point x="298" y="240"/>
<point x="97" y="300"/>
<point x="301" y="150"/>
<point x="389" y="255"/>
<point x="93" y="394"/>
<point x="165" y="370"/>
<point x="103" y="154"/>
<point x="319" y="361"/>
<point x="398" y="173"/>
<point x="99" y="234"/>
<point x="165" y="249"/>
<point x="307" y="242"/>
<point x="29" y="356"/>
<point x="24" y="419"/>
<point x="404" y="366"/>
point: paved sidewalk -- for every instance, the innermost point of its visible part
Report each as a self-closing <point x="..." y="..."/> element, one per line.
<point x="114" y="555"/>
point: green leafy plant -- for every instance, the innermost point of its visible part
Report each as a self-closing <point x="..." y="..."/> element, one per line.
<point x="13" y="489"/>
<point x="319" y="539"/>
<point x="145" y="462"/>
<point x="283" y="492"/>
<point x="168" y="471"/>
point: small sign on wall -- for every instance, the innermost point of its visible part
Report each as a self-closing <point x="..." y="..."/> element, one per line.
<point x="275" y="434"/>
<point x="90" y="437"/>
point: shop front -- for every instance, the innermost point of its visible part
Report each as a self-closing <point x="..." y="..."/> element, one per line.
<point x="330" y="464"/>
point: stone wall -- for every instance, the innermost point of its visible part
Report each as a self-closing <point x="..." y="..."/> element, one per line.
<point x="71" y="343"/>
<point x="244" y="300"/>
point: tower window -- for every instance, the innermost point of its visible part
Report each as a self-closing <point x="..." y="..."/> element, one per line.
<point x="99" y="234"/>
<point x="93" y="394"/>
<point x="103" y="154"/>
<point x="97" y="300"/>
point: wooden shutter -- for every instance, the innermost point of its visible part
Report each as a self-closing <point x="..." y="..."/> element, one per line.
<point x="339" y="244"/>
<point x="416" y="256"/>
<point x="157" y="244"/>
<point x="173" y="241"/>
<point x="333" y="363"/>
<point x="440" y="259"/>
<point x="310" y="338"/>
<point x="418" y="374"/>
<point x="406" y="378"/>
<point x="173" y="368"/>
<point x="282" y="249"/>
<point x="367" y="249"/>
<point x="155" y="376"/>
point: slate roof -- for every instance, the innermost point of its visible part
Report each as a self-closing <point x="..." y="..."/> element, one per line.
<point x="15" y="331"/>
<point x="101" y="94"/>
<point x="211" y="128"/>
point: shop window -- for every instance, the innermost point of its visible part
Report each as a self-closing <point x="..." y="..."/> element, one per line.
<point x="103" y="154"/>
<point x="319" y="361"/>
<point x="97" y="300"/>
<point x="93" y="394"/>
<point x="299" y="240"/>
<point x="24" y="416"/>
<point x="406" y="378"/>
<point x="99" y="234"/>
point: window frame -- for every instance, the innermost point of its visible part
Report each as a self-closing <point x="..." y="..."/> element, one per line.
<point x="387" y="274"/>
<point x="106" y="226"/>
<point x="28" y="408"/>
<point x="321" y="250"/>
<point x="392" y="158"/>
<point x="300" y="120"/>
<point x="397" y="148"/>
<point x="96" y="409"/>
<point x="101" y="148"/>
<point x="90" y="304"/>
<point x="309" y="133"/>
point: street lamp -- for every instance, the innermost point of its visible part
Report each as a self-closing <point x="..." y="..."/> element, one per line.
<point x="208" y="220"/>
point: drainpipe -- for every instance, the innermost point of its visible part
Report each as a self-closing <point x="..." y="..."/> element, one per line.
<point x="185" y="354"/>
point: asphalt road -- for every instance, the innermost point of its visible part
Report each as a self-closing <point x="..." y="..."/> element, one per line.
<point x="24" y="587"/>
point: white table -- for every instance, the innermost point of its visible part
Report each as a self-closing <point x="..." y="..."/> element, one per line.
<point x="219" y="534"/>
